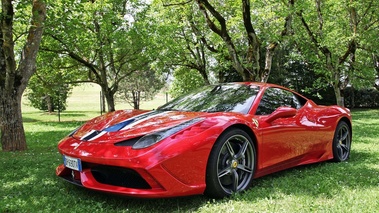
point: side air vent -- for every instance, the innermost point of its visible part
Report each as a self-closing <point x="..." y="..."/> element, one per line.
<point x="129" y="142"/>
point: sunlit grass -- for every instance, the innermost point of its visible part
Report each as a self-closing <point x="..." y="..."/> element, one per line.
<point x="28" y="182"/>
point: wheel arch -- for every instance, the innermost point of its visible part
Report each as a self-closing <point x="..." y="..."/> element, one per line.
<point x="348" y="121"/>
<point x="250" y="132"/>
<point x="245" y="128"/>
<point x="341" y="146"/>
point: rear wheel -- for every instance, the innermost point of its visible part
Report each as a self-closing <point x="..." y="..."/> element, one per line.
<point x="231" y="164"/>
<point x="342" y="142"/>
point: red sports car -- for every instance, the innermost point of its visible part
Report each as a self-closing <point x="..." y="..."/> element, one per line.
<point x="212" y="141"/>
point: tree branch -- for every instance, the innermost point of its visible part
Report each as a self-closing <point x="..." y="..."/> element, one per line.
<point x="311" y="35"/>
<point x="204" y="5"/>
<point x="27" y="65"/>
<point x="272" y="46"/>
<point x="74" y="56"/>
<point x="319" y="16"/>
<point x="202" y="38"/>
<point x="177" y="4"/>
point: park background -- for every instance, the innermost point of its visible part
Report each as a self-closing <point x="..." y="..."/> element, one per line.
<point x="28" y="181"/>
<point x="324" y="49"/>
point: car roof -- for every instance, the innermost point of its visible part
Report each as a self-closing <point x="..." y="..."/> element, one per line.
<point x="267" y="85"/>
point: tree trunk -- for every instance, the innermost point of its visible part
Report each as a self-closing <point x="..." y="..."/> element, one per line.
<point x="11" y="127"/>
<point x="49" y="103"/>
<point x="336" y="82"/>
<point x="136" y="99"/>
<point x="102" y="101"/>
<point x="376" y="66"/>
<point x="14" y="79"/>
<point x="338" y="94"/>
<point x="268" y="62"/>
<point x="352" y="98"/>
<point x="110" y="102"/>
<point x="109" y="97"/>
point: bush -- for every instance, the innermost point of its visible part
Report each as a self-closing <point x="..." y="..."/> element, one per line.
<point x="362" y="98"/>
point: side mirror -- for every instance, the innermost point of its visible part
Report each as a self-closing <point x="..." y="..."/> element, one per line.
<point x="281" y="112"/>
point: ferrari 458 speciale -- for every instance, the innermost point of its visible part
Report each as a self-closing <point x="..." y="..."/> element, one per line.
<point x="214" y="141"/>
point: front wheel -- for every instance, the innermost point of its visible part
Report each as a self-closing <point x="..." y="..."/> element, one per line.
<point x="342" y="142"/>
<point x="231" y="164"/>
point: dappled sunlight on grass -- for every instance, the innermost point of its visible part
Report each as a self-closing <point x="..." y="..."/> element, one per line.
<point x="68" y="116"/>
<point x="24" y="181"/>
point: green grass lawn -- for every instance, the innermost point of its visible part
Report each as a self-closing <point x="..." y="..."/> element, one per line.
<point x="28" y="182"/>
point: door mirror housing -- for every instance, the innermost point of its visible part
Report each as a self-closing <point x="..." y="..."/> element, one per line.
<point x="281" y="112"/>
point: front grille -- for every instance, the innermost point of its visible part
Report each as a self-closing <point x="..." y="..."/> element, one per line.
<point x="118" y="176"/>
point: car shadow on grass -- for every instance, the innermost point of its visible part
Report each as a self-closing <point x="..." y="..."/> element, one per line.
<point x="118" y="203"/>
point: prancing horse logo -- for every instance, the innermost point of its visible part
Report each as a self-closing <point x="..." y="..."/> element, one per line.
<point x="255" y="122"/>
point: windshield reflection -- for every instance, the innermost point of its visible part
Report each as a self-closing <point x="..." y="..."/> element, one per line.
<point x="215" y="98"/>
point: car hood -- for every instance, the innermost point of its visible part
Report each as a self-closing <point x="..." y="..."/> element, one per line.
<point x="126" y="124"/>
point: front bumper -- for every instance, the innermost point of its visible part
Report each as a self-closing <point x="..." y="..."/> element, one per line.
<point x="179" y="171"/>
<point x="129" y="182"/>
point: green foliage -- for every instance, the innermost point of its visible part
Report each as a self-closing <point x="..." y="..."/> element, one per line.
<point x="49" y="88"/>
<point x="291" y="70"/>
<point x="105" y="41"/>
<point x="362" y="98"/>
<point x="39" y="99"/>
<point x="181" y="34"/>
<point x="334" y="29"/>
<point x="142" y="85"/>
<point x="21" y="22"/>
<point x="184" y="81"/>
<point x="121" y="36"/>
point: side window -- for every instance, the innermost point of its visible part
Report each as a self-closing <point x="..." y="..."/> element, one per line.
<point x="274" y="98"/>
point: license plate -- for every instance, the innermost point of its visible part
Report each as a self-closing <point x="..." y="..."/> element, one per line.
<point x="72" y="163"/>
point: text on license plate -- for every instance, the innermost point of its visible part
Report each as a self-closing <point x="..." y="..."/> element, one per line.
<point x="72" y="163"/>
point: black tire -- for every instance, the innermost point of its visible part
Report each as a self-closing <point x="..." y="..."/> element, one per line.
<point x="342" y="142"/>
<point x="231" y="164"/>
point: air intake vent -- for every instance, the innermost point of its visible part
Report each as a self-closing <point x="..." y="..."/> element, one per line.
<point x="117" y="176"/>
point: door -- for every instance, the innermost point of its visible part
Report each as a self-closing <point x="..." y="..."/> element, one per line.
<point x="284" y="140"/>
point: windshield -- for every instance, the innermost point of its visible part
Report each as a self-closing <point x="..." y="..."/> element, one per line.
<point x="215" y="98"/>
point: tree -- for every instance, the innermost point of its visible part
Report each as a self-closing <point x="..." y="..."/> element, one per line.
<point x="292" y="70"/>
<point x="335" y="32"/>
<point x="185" y="80"/>
<point x="143" y="84"/>
<point x="180" y="34"/>
<point x="17" y="66"/>
<point x="49" y="87"/>
<point x="101" y="36"/>
<point x="248" y="62"/>
<point x="45" y="94"/>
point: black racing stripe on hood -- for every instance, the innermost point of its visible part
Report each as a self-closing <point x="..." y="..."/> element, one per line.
<point x="93" y="134"/>
<point x="120" y="125"/>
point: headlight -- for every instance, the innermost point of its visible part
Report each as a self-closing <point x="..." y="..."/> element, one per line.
<point x="74" y="131"/>
<point x="153" y="138"/>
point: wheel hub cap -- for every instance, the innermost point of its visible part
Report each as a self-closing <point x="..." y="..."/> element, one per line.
<point x="234" y="164"/>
